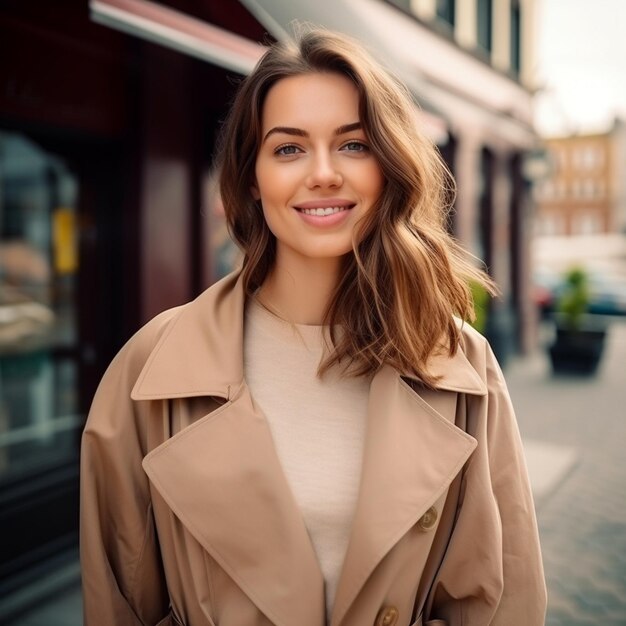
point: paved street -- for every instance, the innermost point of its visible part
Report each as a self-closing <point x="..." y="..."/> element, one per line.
<point x="582" y="518"/>
<point x="574" y="430"/>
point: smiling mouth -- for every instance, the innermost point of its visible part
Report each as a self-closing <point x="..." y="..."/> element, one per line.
<point x="323" y="212"/>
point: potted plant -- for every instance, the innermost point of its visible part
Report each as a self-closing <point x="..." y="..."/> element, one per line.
<point x="580" y="338"/>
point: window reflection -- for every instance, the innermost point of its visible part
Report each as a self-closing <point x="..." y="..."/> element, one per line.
<point x="38" y="266"/>
<point x="223" y="254"/>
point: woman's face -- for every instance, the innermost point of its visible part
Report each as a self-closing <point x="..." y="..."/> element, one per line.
<point x="315" y="174"/>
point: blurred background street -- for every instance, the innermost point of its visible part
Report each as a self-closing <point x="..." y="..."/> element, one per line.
<point x="110" y="213"/>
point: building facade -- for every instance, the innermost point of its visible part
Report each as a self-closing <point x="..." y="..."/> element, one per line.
<point x="106" y="147"/>
<point x="473" y="63"/>
<point x="584" y="194"/>
<point x="109" y="111"/>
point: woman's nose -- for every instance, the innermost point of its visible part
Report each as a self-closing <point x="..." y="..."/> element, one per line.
<point x="324" y="173"/>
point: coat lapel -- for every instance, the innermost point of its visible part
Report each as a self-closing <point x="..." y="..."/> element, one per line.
<point x="412" y="454"/>
<point x="221" y="475"/>
<point x="222" y="478"/>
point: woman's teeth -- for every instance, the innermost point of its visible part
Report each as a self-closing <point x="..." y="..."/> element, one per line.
<point x="326" y="211"/>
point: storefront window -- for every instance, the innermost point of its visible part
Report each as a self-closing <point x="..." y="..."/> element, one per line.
<point x="38" y="329"/>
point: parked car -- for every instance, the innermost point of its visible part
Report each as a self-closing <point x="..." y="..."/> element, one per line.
<point x="607" y="292"/>
<point x="545" y="287"/>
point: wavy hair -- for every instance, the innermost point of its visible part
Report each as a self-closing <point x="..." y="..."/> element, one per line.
<point x="407" y="278"/>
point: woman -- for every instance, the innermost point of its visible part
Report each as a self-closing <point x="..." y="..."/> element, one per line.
<point x="315" y="439"/>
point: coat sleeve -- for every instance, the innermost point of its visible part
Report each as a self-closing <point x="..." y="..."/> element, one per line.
<point x="122" y="574"/>
<point x="492" y="570"/>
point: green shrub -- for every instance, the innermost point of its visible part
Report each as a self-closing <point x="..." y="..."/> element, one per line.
<point x="481" y="306"/>
<point x="574" y="301"/>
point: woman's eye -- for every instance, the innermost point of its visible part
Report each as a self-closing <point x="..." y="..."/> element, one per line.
<point x="287" y="150"/>
<point x="355" y="146"/>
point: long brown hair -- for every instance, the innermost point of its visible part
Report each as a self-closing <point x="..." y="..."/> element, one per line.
<point x="407" y="278"/>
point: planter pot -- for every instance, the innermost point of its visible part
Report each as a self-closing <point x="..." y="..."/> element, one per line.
<point x="577" y="351"/>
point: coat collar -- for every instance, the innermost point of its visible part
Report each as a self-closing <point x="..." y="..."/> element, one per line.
<point x="201" y="352"/>
<point x="222" y="478"/>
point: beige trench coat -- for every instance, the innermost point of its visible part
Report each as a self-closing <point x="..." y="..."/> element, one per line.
<point x="187" y="518"/>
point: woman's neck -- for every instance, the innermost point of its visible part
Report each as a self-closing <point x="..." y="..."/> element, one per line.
<point x="299" y="289"/>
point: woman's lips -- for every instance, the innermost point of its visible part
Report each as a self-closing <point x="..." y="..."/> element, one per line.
<point x="329" y="215"/>
<point x="323" y="203"/>
<point x="324" y="211"/>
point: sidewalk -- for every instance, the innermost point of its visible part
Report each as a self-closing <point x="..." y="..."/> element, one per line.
<point x="574" y="432"/>
<point x="582" y="512"/>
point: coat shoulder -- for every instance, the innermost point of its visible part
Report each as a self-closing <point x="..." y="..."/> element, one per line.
<point x="469" y="334"/>
<point x="139" y="347"/>
<point x="126" y="366"/>
<point x="478" y="352"/>
<point x="474" y="346"/>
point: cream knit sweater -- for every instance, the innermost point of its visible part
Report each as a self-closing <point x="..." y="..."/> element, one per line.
<point x="318" y="426"/>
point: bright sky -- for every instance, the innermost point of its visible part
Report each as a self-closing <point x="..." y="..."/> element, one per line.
<point x="581" y="64"/>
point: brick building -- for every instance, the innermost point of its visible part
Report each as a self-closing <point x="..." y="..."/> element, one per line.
<point x="584" y="195"/>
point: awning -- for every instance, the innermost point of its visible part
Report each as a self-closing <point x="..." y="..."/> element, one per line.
<point x="178" y="31"/>
<point x="173" y="29"/>
<point x="352" y="17"/>
<point x="453" y="88"/>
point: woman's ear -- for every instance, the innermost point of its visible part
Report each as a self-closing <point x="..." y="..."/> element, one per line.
<point x="254" y="190"/>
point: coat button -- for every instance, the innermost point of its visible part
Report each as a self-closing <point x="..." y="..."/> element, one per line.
<point x="428" y="520"/>
<point x="387" y="616"/>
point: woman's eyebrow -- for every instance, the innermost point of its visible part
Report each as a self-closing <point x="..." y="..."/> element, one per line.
<point x="348" y="128"/>
<point x="287" y="130"/>
<point x="299" y="132"/>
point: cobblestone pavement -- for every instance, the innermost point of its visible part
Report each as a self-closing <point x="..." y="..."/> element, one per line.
<point x="582" y="520"/>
